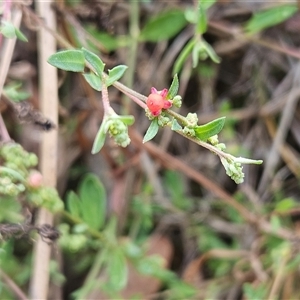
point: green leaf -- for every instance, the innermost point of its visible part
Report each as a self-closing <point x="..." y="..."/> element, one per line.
<point x="163" y="26"/>
<point x="93" y="80"/>
<point x="100" y="138"/>
<point x="12" y="92"/>
<point x="182" y="290"/>
<point x="68" y="60"/>
<point x="73" y="204"/>
<point x="211" y="52"/>
<point x="94" y="60"/>
<point x="117" y="270"/>
<point x="127" y="120"/>
<point x="183" y="56"/>
<point x="273" y="16"/>
<point x="206" y="4"/>
<point x="109" y="42"/>
<point x="175" y="125"/>
<point x="275" y="223"/>
<point x="93" y="201"/>
<point x="191" y="15"/>
<point x="115" y="74"/>
<point x="195" y="53"/>
<point x="204" y="132"/>
<point x="286" y="204"/>
<point x="20" y="35"/>
<point x="173" y="90"/>
<point x="8" y="30"/>
<point x="10" y="211"/>
<point x="152" y="131"/>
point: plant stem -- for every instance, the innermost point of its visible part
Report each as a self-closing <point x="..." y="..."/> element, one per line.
<point x="105" y="99"/>
<point x="13" y="286"/>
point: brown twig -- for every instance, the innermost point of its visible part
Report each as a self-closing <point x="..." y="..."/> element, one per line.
<point x="237" y="33"/>
<point x="13" y="286"/>
<point x="3" y="131"/>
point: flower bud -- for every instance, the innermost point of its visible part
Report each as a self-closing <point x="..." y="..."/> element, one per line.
<point x="35" y="179"/>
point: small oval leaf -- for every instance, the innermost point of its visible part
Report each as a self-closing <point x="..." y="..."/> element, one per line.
<point x="99" y="139"/>
<point x="68" y="60"/>
<point x="115" y="74"/>
<point x="93" y="80"/>
<point x="164" y="26"/>
<point x="152" y="131"/>
<point x="173" y="90"/>
<point x="267" y="18"/>
<point x="20" y="35"/>
<point x="207" y="130"/>
<point x="73" y="204"/>
<point x="127" y="120"/>
<point x="8" y="30"/>
<point x="175" y="125"/>
<point x="93" y="201"/>
<point x="94" y="60"/>
<point x="117" y="270"/>
<point x="211" y="53"/>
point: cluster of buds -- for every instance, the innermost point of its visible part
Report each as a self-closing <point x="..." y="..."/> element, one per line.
<point x="233" y="169"/>
<point x="9" y="187"/>
<point x="17" y="176"/>
<point x="119" y="131"/>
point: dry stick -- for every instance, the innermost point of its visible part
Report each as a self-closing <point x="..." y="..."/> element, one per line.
<point x="8" y="49"/>
<point x="48" y="148"/>
<point x="236" y="32"/>
<point x="285" y="123"/>
<point x="4" y="135"/>
<point x="13" y="286"/>
<point x="279" y="278"/>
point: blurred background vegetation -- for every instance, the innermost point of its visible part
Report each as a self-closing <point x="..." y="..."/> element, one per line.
<point x="161" y="220"/>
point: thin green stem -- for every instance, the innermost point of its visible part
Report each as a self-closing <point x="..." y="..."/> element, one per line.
<point x="108" y="111"/>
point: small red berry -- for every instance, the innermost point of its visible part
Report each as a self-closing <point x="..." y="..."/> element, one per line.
<point x="157" y="101"/>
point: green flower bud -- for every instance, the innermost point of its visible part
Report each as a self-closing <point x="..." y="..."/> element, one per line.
<point x="192" y="119"/>
<point x="5" y="181"/>
<point x="188" y="131"/>
<point x="233" y="169"/>
<point x="213" y="140"/>
<point x="177" y="101"/>
<point x="221" y="146"/>
<point x="77" y="242"/>
<point x="163" y="121"/>
<point x="11" y="190"/>
<point x="20" y="187"/>
<point x="32" y="160"/>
